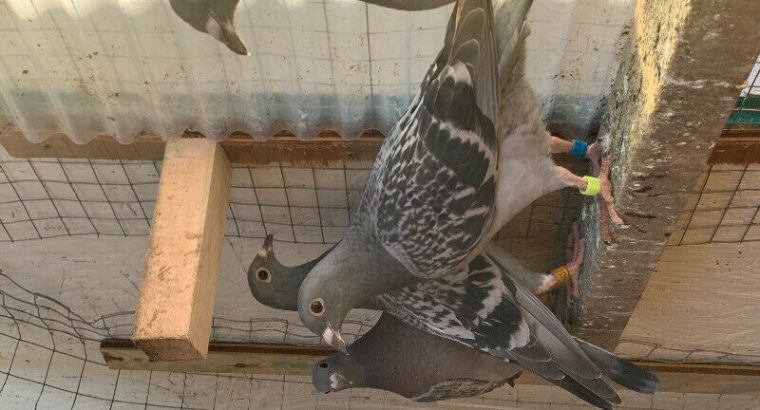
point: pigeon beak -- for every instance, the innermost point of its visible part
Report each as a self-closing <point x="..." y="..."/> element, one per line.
<point x="332" y="337"/>
<point x="338" y="382"/>
<point x="233" y="42"/>
<point x="267" y="247"/>
<point x="225" y="32"/>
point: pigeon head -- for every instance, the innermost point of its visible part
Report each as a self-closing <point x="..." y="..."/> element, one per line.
<point x="346" y="277"/>
<point x="337" y="372"/>
<point x="273" y="284"/>
<point x="321" y="307"/>
<point x="214" y="18"/>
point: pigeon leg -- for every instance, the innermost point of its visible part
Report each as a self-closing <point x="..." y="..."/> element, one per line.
<point x="559" y="146"/>
<point x="576" y="251"/>
<point x="567" y="274"/>
<point x="599" y="187"/>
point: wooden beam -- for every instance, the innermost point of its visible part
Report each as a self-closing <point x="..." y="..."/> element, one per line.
<point x="736" y="150"/>
<point x="682" y="64"/>
<point x="700" y="299"/>
<point x="324" y="149"/>
<point x="734" y="147"/>
<point x="254" y="358"/>
<point x="176" y="302"/>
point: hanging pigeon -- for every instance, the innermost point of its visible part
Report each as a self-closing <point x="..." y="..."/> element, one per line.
<point x="276" y="285"/>
<point x="398" y="358"/>
<point x="430" y="197"/>
<point x="435" y="196"/>
<point x="215" y="17"/>
<point x="510" y="322"/>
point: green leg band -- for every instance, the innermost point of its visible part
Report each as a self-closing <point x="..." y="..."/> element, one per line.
<point x="593" y="186"/>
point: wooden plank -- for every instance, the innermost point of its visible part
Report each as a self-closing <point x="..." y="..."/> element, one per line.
<point x="176" y="302"/>
<point x="254" y="358"/>
<point x="734" y="147"/>
<point x="322" y="150"/>
<point x="744" y="149"/>
<point x="222" y="358"/>
<point x="702" y="299"/>
<point x="664" y="115"/>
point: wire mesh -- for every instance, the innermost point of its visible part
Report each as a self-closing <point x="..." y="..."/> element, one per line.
<point x="49" y="198"/>
<point x="50" y="359"/>
<point x="724" y="207"/>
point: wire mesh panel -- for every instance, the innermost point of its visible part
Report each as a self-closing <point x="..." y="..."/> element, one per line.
<point x="50" y="359"/>
<point x="724" y="207"/>
<point x="48" y="198"/>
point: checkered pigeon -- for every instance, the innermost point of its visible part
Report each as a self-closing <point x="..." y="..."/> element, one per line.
<point x="431" y="194"/>
<point x="398" y="358"/>
<point x="486" y="309"/>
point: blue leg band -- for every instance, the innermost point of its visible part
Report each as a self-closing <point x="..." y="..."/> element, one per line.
<point x="579" y="149"/>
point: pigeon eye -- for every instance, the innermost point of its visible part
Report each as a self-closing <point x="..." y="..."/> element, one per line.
<point x="263" y="275"/>
<point x="317" y="307"/>
<point x="324" y="366"/>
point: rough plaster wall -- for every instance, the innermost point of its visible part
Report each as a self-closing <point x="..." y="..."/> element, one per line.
<point x="684" y="64"/>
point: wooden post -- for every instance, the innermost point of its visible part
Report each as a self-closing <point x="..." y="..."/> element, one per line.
<point x="683" y="67"/>
<point x="174" y="310"/>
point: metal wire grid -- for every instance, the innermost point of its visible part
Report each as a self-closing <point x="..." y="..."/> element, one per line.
<point x="50" y="358"/>
<point x="48" y="352"/>
<point x="49" y="198"/>
<point x="725" y="207"/>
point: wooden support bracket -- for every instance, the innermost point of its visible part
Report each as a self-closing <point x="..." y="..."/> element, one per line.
<point x="176" y="302"/>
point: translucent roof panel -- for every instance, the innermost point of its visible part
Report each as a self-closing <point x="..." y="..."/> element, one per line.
<point x="131" y="67"/>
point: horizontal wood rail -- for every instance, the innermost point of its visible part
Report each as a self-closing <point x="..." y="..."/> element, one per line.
<point x="278" y="359"/>
<point x="735" y="146"/>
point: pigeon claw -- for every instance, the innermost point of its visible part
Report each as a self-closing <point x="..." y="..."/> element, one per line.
<point x="604" y="198"/>
<point x="576" y="254"/>
<point x="333" y="338"/>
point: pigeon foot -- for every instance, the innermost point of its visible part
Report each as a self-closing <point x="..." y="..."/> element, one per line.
<point x="605" y="198"/>
<point x="576" y="250"/>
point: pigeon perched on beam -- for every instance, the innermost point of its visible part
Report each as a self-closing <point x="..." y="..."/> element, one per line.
<point x="430" y="197"/>
<point x="442" y="185"/>
<point x="215" y="17"/>
<point x="510" y="324"/>
<point x="398" y="358"/>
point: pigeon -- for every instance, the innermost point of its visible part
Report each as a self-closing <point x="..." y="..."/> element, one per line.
<point x="410" y="5"/>
<point x="430" y="197"/>
<point x="398" y="358"/>
<point x="536" y="340"/>
<point x="215" y="17"/>
<point x="438" y="190"/>
<point x="276" y="285"/>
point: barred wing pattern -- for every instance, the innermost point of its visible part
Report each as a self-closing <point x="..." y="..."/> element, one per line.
<point x="431" y="196"/>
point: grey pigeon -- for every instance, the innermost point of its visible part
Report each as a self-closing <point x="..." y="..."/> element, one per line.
<point x="410" y="5"/>
<point x="510" y="324"/>
<point x="215" y="17"/>
<point x="431" y="203"/>
<point x="430" y="197"/>
<point x="398" y="358"/>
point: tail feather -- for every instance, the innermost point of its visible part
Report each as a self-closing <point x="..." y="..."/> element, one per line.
<point x="511" y="32"/>
<point x="581" y="392"/>
<point x="621" y="371"/>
